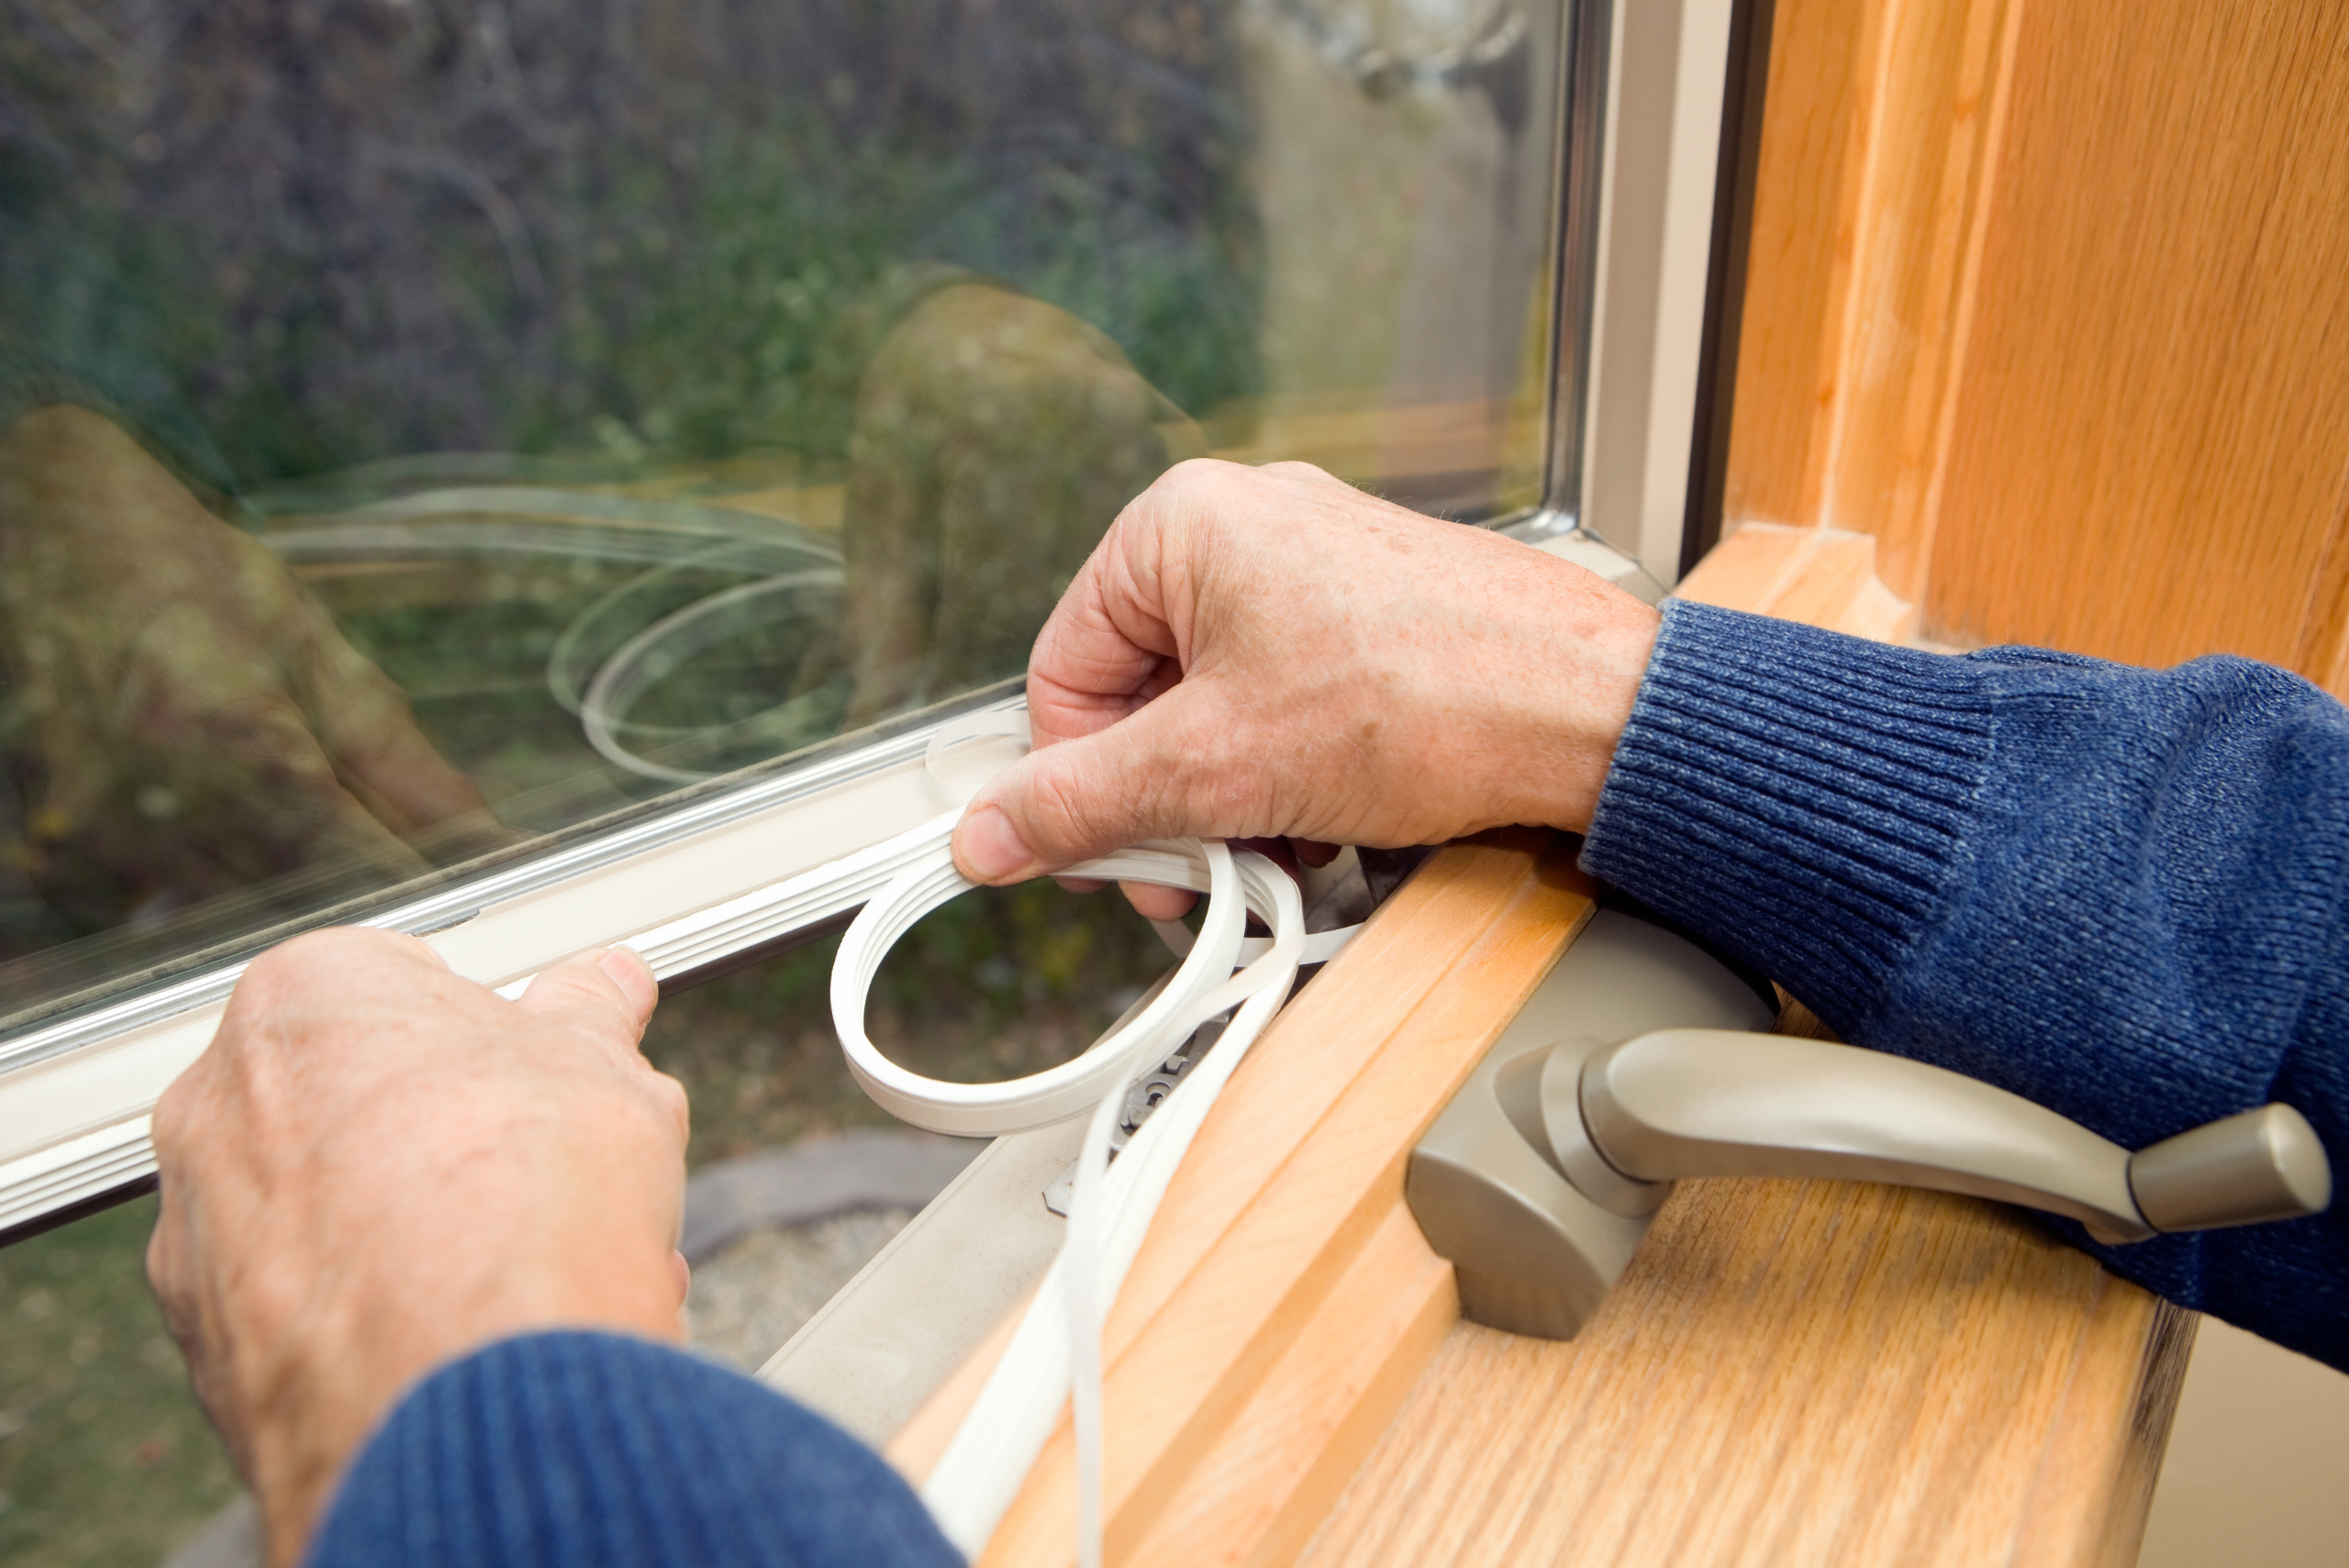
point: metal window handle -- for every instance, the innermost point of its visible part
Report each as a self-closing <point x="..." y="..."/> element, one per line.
<point x="2259" y="1165"/>
<point x="1682" y="1103"/>
<point x="1630" y="1068"/>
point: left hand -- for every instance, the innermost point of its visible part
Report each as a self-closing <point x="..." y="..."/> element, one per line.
<point x="378" y="1167"/>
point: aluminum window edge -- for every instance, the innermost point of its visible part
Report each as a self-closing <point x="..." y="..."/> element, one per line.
<point x="1580" y="177"/>
<point x="1643" y="207"/>
<point x="1555" y="533"/>
<point x="459" y="903"/>
<point x="711" y="879"/>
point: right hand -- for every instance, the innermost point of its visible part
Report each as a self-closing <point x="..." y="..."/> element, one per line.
<point x="1261" y="653"/>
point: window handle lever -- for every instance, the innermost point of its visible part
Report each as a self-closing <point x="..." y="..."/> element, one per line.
<point x="1681" y="1103"/>
<point x="1540" y="1179"/>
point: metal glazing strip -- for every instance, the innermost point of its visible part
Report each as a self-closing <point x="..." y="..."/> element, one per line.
<point x="450" y="906"/>
<point x="104" y="1146"/>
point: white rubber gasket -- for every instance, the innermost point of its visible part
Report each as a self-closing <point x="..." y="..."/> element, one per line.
<point x="1055" y="1353"/>
<point x="1074" y="1088"/>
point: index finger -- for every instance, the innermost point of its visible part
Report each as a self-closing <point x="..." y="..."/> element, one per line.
<point x="1120" y="634"/>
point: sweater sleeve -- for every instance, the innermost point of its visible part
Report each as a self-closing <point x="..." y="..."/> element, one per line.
<point x="2118" y="891"/>
<point x="594" y="1451"/>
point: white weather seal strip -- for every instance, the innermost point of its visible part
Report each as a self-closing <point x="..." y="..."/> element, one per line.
<point x="1055" y="1351"/>
<point x="115" y="1156"/>
<point x="104" y="1146"/>
<point x="702" y="938"/>
<point x="695" y="941"/>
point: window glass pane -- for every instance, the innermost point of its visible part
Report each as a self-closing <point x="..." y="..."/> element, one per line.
<point x="431" y="425"/>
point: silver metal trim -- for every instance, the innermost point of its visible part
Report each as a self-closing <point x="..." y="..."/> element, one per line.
<point x="1581" y="151"/>
<point x="1555" y="532"/>
<point x="461" y="901"/>
<point x="1640" y="356"/>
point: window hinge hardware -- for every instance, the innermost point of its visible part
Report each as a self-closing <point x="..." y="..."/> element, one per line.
<point x="1144" y="1096"/>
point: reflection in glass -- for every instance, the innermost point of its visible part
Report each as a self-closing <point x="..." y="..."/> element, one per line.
<point x="429" y="425"/>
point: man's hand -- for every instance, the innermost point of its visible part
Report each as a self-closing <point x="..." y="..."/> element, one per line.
<point x="198" y="724"/>
<point x="378" y="1167"/>
<point x="1260" y="653"/>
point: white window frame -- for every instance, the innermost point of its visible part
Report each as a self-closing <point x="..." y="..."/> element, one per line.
<point x="1638" y="168"/>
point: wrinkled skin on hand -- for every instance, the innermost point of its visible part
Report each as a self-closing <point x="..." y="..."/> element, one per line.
<point x="378" y="1167"/>
<point x="995" y="440"/>
<point x="1256" y="652"/>
<point x="196" y="723"/>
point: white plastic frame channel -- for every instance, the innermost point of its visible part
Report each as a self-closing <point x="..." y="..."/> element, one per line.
<point x="1056" y="1349"/>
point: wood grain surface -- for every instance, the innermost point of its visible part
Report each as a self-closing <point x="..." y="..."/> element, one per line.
<point x="2152" y="447"/>
<point x="1791" y="1373"/>
<point x="2053" y="300"/>
<point x="1818" y="576"/>
<point x="1794" y="1372"/>
<point x="1284" y="1301"/>
<point x="1814" y="130"/>
<point x="1880" y="137"/>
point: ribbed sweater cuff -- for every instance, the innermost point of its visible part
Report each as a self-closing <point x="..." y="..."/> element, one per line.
<point x="1802" y="798"/>
<point x="579" y="1450"/>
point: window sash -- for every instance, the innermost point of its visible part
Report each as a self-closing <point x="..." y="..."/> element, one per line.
<point x="76" y="1095"/>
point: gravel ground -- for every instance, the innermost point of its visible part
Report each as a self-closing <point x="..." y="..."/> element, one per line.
<point x="754" y="1295"/>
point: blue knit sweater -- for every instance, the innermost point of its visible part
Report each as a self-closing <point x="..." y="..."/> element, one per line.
<point x="596" y="1450"/>
<point x="2119" y="892"/>
<point x="2116" y="891"/>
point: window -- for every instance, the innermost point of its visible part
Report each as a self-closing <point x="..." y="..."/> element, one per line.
<point x="523" y="477"/>
<point x="530" y="476"/>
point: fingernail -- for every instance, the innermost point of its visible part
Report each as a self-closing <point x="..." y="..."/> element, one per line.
<point x="989" y="847"/>
<point x="626" y="965"/>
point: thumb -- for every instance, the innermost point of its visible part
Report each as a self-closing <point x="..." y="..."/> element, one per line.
<point x="1071" y="801"/>
<point x="608" y="993"/>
